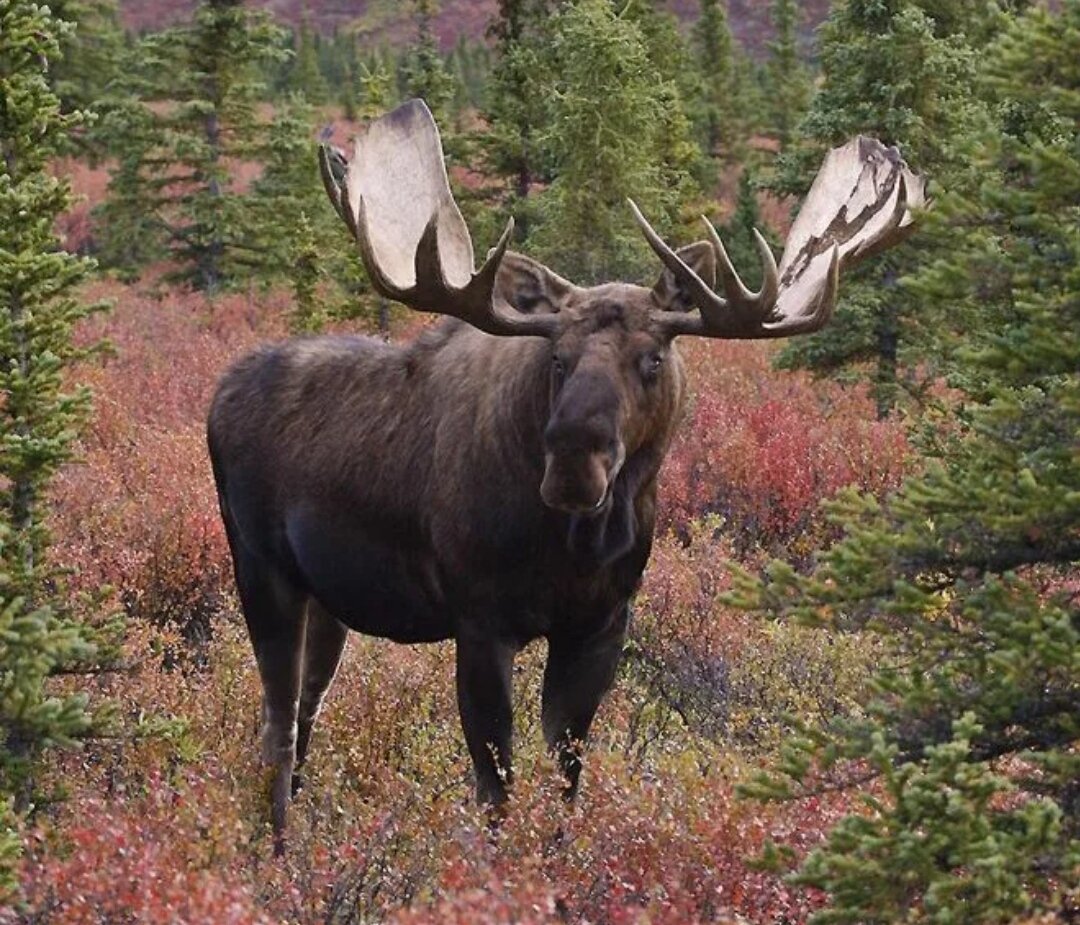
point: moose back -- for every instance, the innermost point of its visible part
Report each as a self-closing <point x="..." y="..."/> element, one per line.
<point x="494" y="481"/>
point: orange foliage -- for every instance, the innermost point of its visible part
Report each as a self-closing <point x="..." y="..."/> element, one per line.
<point x="172" y="826"/>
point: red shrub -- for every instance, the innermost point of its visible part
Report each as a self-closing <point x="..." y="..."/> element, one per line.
<point x="126" y="864"/>
<point x="762" y="449"/>
<point x="139" y="511"/>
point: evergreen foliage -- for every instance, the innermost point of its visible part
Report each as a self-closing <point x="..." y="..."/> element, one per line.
<point x="307" y="316"/>
<point x="206" y="77"/>
<point x="787" y="79"/>
<point x="973" y="815"/>
<point x="288" y="187"/>
<point x="129" y="233"/>
<point x="716" y="110"/>
<point x="39" y="414"/>
<point x="613" y="131"/>
<point x="512" y="149"/>
<point x="90" y="54"/>
<point x="423" y="69"/>
<point x="306" y="76"/>
<point x="903" y="72"/>
<point x="737" y="232"/>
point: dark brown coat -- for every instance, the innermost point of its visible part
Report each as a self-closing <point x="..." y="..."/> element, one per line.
<point x="445" y="490"/>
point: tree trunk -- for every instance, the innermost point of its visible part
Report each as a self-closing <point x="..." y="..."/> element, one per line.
<point x="214" y="248"/>
<point x="888" y="346"/>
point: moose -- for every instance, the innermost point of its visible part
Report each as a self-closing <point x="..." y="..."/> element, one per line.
<point x="494" y="481"/>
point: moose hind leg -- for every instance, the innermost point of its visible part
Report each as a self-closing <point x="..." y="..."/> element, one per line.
<point x="578" y="674"/>
<point x="274" y="611"/>
<point x="324" y="643"/>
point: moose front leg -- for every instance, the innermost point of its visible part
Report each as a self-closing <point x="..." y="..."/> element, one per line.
<point x="484" y="669"/>
<point x="578" y="674"/>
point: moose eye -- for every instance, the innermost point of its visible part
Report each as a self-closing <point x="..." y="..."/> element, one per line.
<point x="650" y="365"/>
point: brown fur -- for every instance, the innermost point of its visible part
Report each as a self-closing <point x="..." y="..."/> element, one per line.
<point x="397" y="491"/>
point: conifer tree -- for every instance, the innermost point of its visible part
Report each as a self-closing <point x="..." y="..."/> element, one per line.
<point x="896" y="72"/>
<point x="307" y="316"/>
<point x="39" y="413"/>
<point x="289" y="186"/>
<point x="787" y="79"/>
<point x="376" y="84"/>
<point x="716" y="110"/>
<point x="512" y="148"/>
<point x="609" y="109"/>
<point x="970" y="727"/>
<point x="306" y="77"/>
<point x="683" y="162"/>
<point x="91" y="53"/>
<point x="737" y="232"/>
<point x="129" y="232"/>
<point x="210" y="74"/>
<point x="423" y="68"/>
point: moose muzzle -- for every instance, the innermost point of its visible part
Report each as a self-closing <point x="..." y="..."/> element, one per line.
<point x="580" y="483"/>
<point x="582" y="449"/>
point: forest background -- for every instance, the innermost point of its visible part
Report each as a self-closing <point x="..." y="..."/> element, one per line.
<point x="852" y="690"/>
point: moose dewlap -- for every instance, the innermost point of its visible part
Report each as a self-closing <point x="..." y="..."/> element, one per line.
<point x="494" y="481"/>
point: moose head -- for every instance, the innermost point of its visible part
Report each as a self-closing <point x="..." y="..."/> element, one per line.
<point x="610" y="344"/>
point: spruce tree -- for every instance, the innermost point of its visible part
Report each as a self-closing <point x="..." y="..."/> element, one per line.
<point x="424" y="71"/>
<point x="209" y="75"/>
<point x="968" y="738"/>
<point x="289" y="186"/>
<point x="787" y="80"/>
<point x="903" y="72"/>
<point x="716" y="109"/>
<point x="737" y="232"/>
<point x="609" y="109"/>
<point x="90" y="59"/>
<point x="683" y="162"/>
<point x="307" y="316"/>
<point x="306" y="77"/>
<point x="129" y="232"/>
<point x="39" y="414"/>
<point x="512" y="148"/>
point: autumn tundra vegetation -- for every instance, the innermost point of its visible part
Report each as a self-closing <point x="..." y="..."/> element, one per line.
<point x="849" y="690"/>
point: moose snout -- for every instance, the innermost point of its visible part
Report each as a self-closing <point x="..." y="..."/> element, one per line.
<point x="575" y="485"/>
<point x="583" y="451"/>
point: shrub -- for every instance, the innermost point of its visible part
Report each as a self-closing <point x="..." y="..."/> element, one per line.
<point x="762" y="450"/>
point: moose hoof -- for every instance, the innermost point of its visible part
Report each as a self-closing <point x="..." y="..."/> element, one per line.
<point x="297" y="784"/>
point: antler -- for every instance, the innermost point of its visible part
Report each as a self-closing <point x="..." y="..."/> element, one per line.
<point x="859" y="204"/>
<point x="394" y="196"/>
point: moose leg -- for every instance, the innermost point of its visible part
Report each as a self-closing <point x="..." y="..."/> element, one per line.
<point x="484" y="668"/>
<point x="324" y="643"/>
<point x="274" y="612"/>
<point x="578" y="674"/>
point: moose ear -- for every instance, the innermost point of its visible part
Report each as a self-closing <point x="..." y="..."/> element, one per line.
<point x="530" y="287"/>
<point x="671" y="295"/>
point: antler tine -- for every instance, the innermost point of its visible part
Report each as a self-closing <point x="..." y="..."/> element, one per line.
<point x="747" y="303"/>
<point x="739" y="313"/>
<point x="329" y="158"/>
<point x="859" y="204"/>
<point x="699" y="290"/>
<point x="413" y="240"/>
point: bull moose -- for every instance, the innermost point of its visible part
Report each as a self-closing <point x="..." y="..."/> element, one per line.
<point x="494" y="481"/>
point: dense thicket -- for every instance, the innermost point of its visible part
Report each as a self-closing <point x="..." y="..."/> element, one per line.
<point x="968" y="744"/>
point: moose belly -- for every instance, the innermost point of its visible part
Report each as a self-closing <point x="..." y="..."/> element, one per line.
<point x="370" y="586"/>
